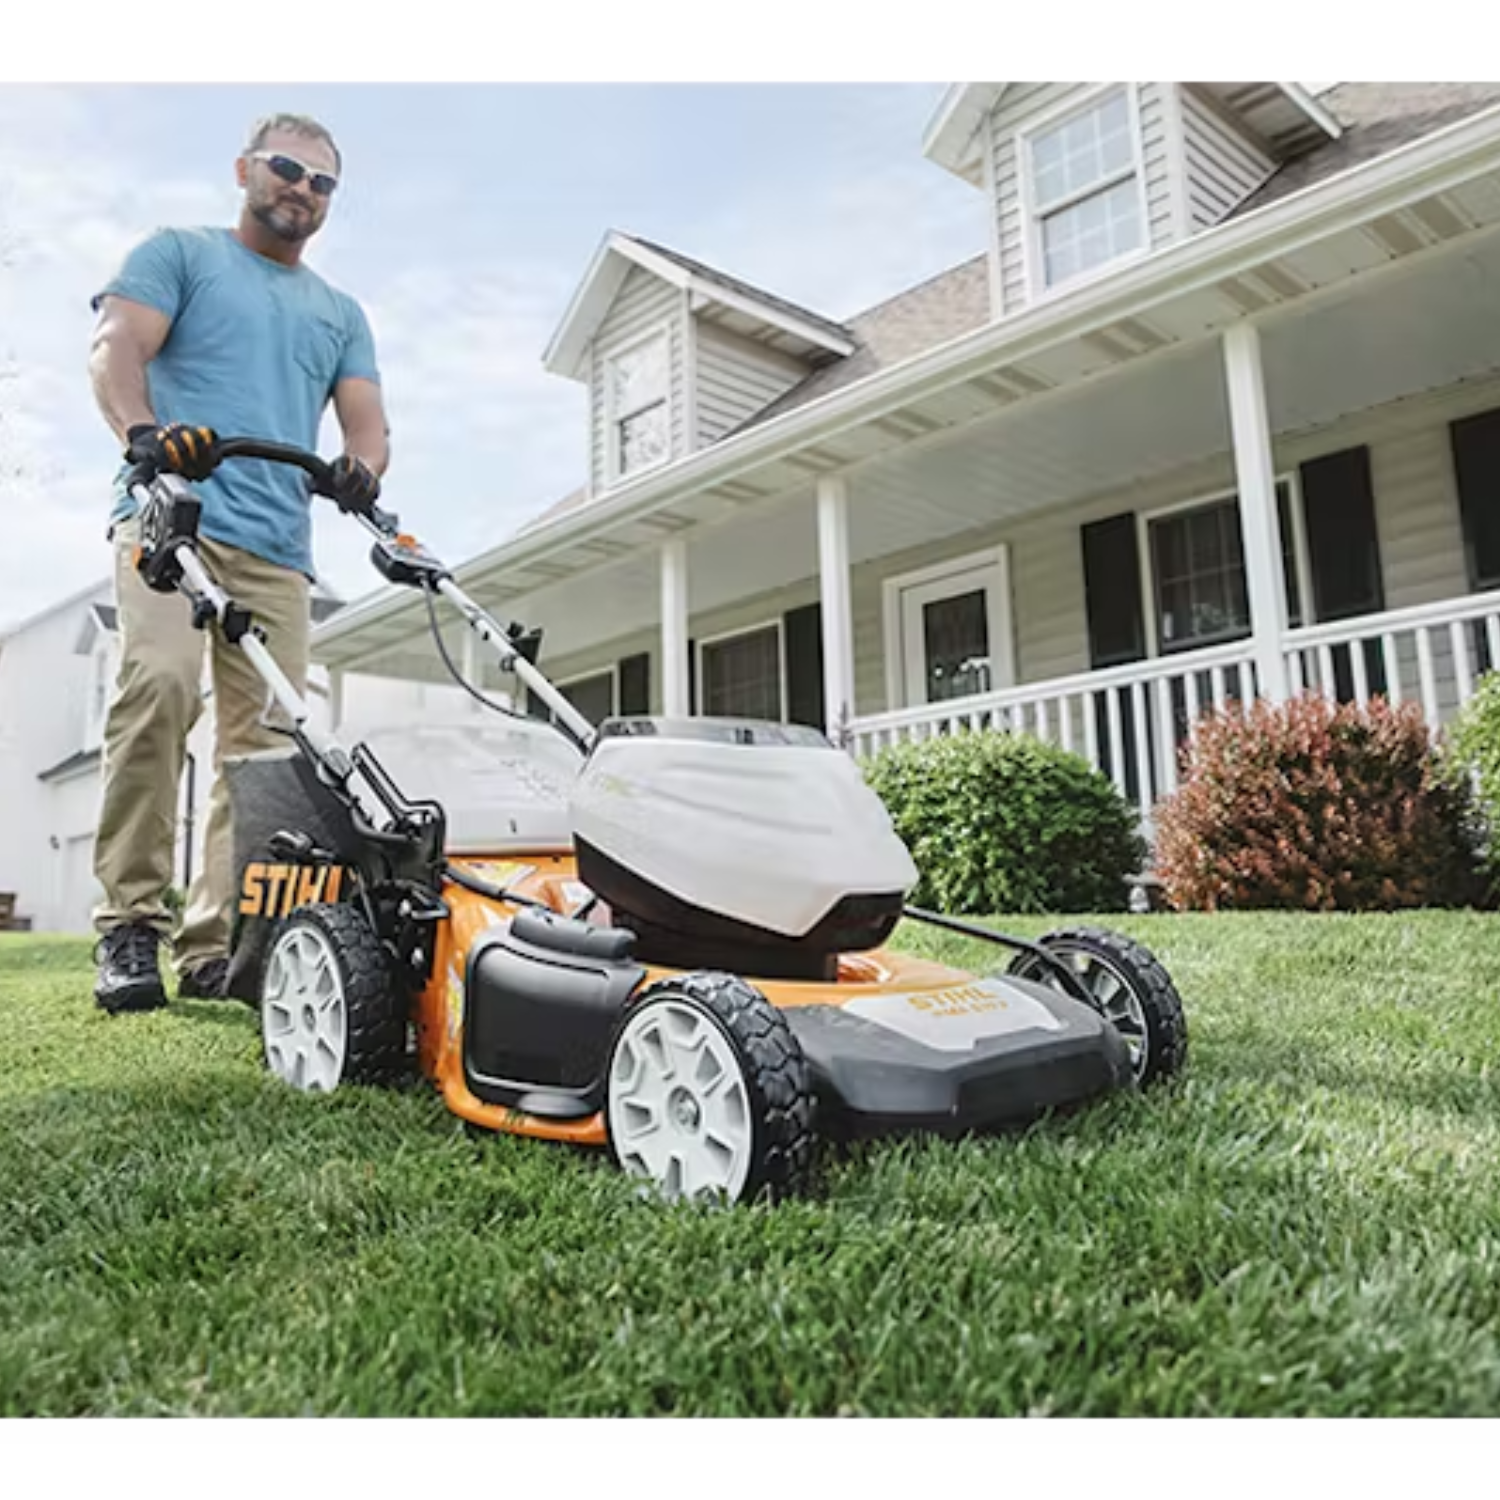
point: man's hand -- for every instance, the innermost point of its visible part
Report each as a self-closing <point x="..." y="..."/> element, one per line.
<point x="176" y="448"/>
<point x="353" y="485"/>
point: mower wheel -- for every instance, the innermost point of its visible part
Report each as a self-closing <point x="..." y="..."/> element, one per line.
<point x="709" y="1094"/>
<point x="330" y="1012"/>
<point x="1128" y="986"/>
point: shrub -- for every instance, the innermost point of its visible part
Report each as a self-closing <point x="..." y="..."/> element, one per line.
<point x="1314" y="805"/>
<point x="1471" y="763"/>
<point x="1006" y="823"/>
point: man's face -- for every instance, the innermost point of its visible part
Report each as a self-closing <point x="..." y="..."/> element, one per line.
<point x="292" y="211"/>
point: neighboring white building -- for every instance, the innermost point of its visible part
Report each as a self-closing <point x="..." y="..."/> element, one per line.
<point x="1214" y="411"/>
<point x="56" y="673"/>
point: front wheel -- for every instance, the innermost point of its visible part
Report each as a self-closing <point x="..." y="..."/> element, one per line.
<point x="330" y="1010"/>
<point x="709" y="1094"/>
<point x="1128" y="986"/>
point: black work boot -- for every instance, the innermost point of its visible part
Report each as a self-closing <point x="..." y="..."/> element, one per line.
<point x="204" y="981"/>
<point x="129" y="978"/>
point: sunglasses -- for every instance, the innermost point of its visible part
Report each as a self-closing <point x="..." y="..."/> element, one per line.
<point x="292" y="171"/>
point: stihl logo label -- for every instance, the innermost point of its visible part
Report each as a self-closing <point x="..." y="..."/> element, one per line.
<point x="278" y="890"/>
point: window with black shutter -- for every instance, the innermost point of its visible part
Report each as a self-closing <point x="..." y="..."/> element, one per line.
<point x="635" y="683"/>
<point x="1476" y="471"/>
<point x="802" y="635"/>
<point x="1112" y="591"/>
<point x="1343" y="546"/>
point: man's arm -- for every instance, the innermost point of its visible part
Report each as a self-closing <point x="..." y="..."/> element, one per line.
<point x="127" y="337"/>
<point x="361" y="412"/>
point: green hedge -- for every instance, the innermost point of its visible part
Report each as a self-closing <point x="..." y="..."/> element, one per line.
<point x="1471" y="760"/>
<point x="1006" y="823"/>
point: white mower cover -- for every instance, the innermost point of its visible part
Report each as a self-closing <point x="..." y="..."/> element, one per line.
<point x="503" y="785"/>
<point x="772" y="835"/>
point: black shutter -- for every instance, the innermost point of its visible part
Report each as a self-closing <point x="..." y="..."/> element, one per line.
<point x="1343" y="546"/>
<point x="692" y="706"/>
<point x="802" y="633"/>
<point x="1476" y="469"/>
<point x="635" y="684"/>
<point x="1112" y="591"/>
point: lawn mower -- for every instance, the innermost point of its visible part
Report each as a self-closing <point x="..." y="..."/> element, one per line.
<point x="661" y="936"/>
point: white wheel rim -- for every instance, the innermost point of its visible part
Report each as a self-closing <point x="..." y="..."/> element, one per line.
<point x="1115" y="998"/>
<point x="303" y="1015"/>
<point x="679" y="1106"/>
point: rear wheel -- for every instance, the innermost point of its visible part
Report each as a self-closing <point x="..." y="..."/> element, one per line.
<point x="330" y="1012"/>
<point x="1127" y="985"/>
<point x="709" y="1095"/>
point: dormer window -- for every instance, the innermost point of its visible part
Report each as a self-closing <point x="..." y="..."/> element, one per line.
<point x="1083" y="176"/>
<point x="639" y="418"/>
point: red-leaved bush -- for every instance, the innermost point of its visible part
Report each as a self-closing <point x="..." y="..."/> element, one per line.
<point x="1315" y="806"/>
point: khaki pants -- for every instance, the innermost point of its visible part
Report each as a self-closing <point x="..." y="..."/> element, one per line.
<point x="157" y="700"/>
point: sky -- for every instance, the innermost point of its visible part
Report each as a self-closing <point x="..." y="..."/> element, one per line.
<point x="467" y="217"/>
<point x="477" y="190"/>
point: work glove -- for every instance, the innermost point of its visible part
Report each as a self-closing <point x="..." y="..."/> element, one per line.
<point x="175" y="448"/>
<point x="352" y="485"/>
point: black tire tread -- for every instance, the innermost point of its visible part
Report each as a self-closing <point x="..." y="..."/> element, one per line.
<point x="1161" y="1005"/>
<point x="374" y="1008"/>
<point x="776" y="1073"/>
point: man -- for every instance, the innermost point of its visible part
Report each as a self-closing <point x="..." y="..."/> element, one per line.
<point x="207" y="332"/>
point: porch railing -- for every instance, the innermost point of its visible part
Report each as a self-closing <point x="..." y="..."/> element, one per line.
<point x="1132" y="721"/>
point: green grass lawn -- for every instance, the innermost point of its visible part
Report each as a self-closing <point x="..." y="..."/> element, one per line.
<point x="1307" y="1222"/>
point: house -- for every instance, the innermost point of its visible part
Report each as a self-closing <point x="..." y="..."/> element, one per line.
<point x="51" y="745"/>
<point x="1213" y="411"/>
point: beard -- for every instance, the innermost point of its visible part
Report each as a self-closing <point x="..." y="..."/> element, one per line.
<point x="289" y="222"/>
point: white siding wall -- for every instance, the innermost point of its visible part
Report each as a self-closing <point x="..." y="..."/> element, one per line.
<point x="1221" y="164"/>
<point x="43" y="686"/>
<point x="1018" y="107"/>
<point x="736" y="378"/>
<point x="645" y="305"/>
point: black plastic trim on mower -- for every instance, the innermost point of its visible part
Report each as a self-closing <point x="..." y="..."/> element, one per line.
<point x="542" y="1002"/>
<point x="872" y="1081"/>
<point x="679" y="935"/>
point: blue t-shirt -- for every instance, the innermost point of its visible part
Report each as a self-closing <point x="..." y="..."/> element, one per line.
<point x="255" y="350"/>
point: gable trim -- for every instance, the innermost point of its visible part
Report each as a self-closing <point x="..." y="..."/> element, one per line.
<point x="566" y="354"/>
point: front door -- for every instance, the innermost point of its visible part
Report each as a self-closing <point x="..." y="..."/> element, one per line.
<point x="953" y="627"/>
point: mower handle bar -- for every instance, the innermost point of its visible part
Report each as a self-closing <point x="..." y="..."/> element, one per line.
<point x="385" y="525"/>
<point x="319" y="470"/>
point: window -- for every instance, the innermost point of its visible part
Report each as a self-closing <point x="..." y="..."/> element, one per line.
<point x="637" y="396"/>
<point x="592" y="696"/>
<point x="1476" y="466"/>
<point x="1085" y="190"/>
<point x="741" y="675"/>
<point x="1198" y="573"/>
<point x="948" y="630"/>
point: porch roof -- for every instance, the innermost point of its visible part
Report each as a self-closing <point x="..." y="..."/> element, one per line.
<point x="1391" y="210"/>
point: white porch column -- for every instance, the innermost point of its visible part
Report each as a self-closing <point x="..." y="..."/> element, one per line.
<point x="1255" y="477"/>
<point x="335" y="699"/>
<point x="837" y="611"/>
<point x="674" y="629"/>
<point x="473" y="670"/>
